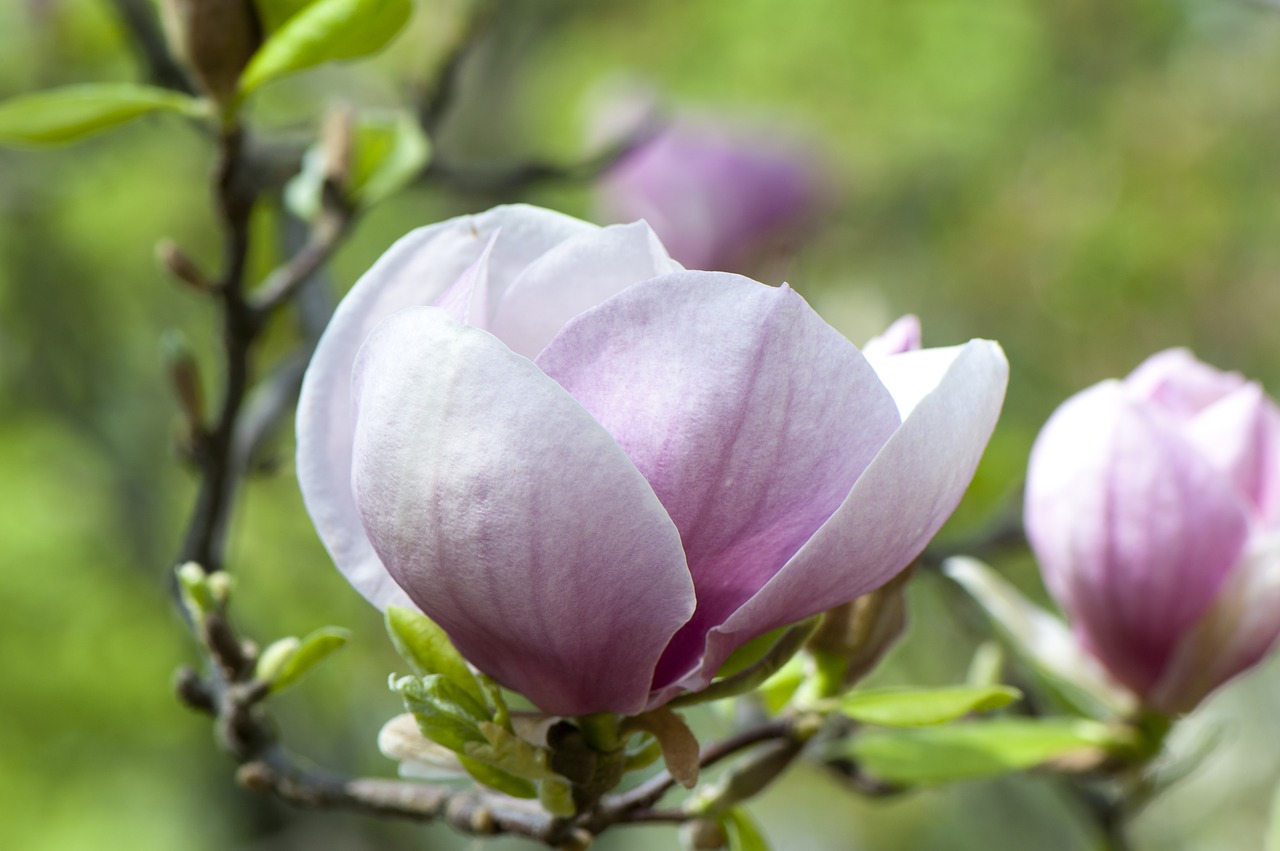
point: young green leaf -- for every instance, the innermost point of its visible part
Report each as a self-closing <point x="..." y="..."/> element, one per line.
<point x="311" y="651"/>
<point x="510" y="753"/>
<point x="428" y="649"/>
<point x="274" y="13"/>
<point x="66" y="114"/>
<point x="935" y="755"/>
<point x="898" y="707"/>
<point x="742" y="831"/>
<point x="754" y="672"/>
<point x="323" y="31"/>
<point x="445" y="713"/>
<point x="388" y="156"/>
<point x="496" y="778"/>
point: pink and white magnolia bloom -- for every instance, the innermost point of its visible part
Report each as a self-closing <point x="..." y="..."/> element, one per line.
<point x="1153" y="505"/>
<point x="600" y="473"/>
<point x="715" y="195"/>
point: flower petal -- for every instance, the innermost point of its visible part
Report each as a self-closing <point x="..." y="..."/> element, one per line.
<point x="898" y="503"/>
<point x="903" y="335"/>
<point x="749" y="415"/>
<point x="1240" y="435"/>
<point x="416" y="270"/>
<point x="1135" y="530"/>
<point x="576" y="275"/>
<point x="511" y="518"/>
<point x="1176" y="381"/>
<point x="1237" y="631"/>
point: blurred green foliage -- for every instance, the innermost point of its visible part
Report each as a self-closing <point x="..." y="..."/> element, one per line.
<point x="1087" y="181"/>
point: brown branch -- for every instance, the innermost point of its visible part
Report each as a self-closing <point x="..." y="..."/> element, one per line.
<point x="148" y="41"/>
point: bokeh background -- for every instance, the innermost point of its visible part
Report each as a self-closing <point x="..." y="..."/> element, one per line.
<point x="1087" y="181"/>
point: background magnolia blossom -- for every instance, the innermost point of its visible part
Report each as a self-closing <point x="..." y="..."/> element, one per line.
<point x="719" y="196"/>
<point x="601" y="474"/>
<point x="1153" y="505"/>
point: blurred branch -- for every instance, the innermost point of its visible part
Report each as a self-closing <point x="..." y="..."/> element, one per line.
<point x="139" y="19"/>
<point x="515" y="178"/>
<point x="436" y="99"/>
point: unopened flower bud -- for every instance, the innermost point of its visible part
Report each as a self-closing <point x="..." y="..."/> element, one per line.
<point x="703" y="834"/>
<point x="215" y="38"/>
<point x="1153" y="505"/>
<point x="184" y="377"/>
<point x="182" y="267"/>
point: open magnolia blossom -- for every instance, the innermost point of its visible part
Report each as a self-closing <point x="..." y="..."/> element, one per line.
<point x="600" y="473"/>
<point x="1153" y="505"/>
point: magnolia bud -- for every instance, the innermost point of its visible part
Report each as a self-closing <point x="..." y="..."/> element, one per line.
<point x="215" y="38"/>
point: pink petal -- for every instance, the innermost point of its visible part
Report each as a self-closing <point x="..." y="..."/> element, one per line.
<point x="902" y="336"/>
<point x="900" y="500"/>
<point x="1234" y="635"/>
<point x="416" y="270"/>
<point x="1240" y="435"/>
<point x="1179" y="383"/>
<point x="749" y="415"/>
<point x="1134" y="529"/>
<point x="574" y="276"/>
<point x="511" y="518"/>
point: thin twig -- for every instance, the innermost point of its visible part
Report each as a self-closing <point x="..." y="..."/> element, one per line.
<point x="139" y="19"/>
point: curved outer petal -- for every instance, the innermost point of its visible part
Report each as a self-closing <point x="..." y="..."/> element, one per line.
<point x="1178" y="382"/>
<point x="1237" y="631"/>
<point x="1240" y="435"/>
<point x="1135" y="531"/>
<point x="416" y="270"/>
<point x="573" y="277"/>
<point x="898" y="503"/>
<point x="749" y="415"/>
<point x="512" y="518"/>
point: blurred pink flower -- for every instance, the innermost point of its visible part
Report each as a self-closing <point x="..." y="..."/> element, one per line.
<point x="600" y="473"/>
<point x="1153" y="505"/>
<point x="718" y="197"/>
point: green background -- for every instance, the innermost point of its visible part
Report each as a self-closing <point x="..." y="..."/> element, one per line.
<point x="1087" y="181"/>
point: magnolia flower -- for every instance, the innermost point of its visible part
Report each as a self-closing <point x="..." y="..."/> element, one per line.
<point x="715" y="197"/>
<point x="599" y="473"/>
<point x="1153" y="505"/>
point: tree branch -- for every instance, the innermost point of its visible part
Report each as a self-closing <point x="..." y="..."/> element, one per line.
<point x="148" y="41"/>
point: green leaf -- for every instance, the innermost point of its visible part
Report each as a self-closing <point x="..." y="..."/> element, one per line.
<point x="272" y="660"/>
<point x="64" y="115"/>
<point x="1043" y="641"/>
<point x="778" y="690"/>
<point x="755" y="672"/>
<point x="193" y="587"/>
<point x="556" y="797"/>
<point x="899" y="707"/>
<point x="742" y="831"/>
<point x="273" y="13"/>
<point x="445" y="713"/>
<point x="510" y="753"/>
<point x="323" y="31"/>
<point x="312" y="650"/>
<point x="428" y="649"/>
<point x="496" y="778"/>
<point x="388" y="153"/>
<point x="935" y="755"/>
<point x="388" y="156"/>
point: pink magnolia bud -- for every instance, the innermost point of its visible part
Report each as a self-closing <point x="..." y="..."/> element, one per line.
<point x="599" y="473"/>
<point x="718" y="198"/>
<point x="1153" y="505"/>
